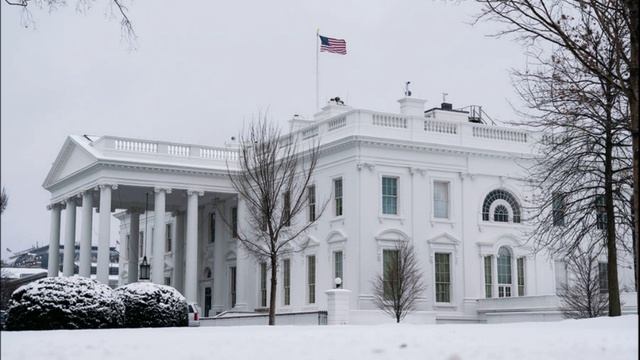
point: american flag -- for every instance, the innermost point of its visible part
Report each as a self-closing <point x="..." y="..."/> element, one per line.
<point x="337" y="46"/>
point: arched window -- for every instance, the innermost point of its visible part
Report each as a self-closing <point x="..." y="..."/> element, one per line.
<point x="504" y="272"/>
<point x="501" y="213"/>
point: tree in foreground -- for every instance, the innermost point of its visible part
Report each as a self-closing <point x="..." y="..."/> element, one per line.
<point x="396" y="290"/>
<point x="274" y="184"/>
<point x="583" y="296"/>
<point x="152" y="305"/>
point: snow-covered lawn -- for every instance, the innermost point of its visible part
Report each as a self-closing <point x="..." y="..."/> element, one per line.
<point x="603" y="338"/>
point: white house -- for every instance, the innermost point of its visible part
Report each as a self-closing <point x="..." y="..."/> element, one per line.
<point x="440" y="179"/>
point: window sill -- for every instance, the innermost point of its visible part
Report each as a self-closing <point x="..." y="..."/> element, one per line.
<point x="442" y="221"/>
<point x="337" y="219"/>
<point x="383" y="217"/>
<point x="444" y="305"/>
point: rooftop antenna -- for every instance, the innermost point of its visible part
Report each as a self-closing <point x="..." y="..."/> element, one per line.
<point x="444" y="97"/>
<point x="407" y="92"/>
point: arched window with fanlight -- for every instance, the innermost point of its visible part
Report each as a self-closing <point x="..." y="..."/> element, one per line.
<point x="505" y="280"/>
<point x="501" y="206"/>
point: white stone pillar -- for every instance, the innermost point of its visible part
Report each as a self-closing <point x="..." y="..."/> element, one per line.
<point x="191" y="255"/>
<point x="69" y="238"/>
<point x="245" y="263"/>
<point x="133" y="253"/>
<point x="338" y="306"/>
<point x="86" y="231"/>
<point x="159" y="235"/>
<point x="54" y="240"/>
<point x="104" y="238"/>
<point x="178" y="253"/>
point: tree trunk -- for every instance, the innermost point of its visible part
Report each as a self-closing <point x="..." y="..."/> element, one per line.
<point x="274" y="287"/>
<point x="633" y="93"/>
<point x="610" y="238"/>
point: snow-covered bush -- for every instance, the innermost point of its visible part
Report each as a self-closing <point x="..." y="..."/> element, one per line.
<point x="152" y="305"/>
<point x="64" y="303"/>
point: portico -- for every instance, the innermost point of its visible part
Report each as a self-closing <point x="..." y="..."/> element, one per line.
<point x="153" y="179"/>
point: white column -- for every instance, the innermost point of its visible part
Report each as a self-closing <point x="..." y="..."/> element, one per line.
<point x="178" y="253"/>
<point x="54" y="240"/>
<point x="159" y="235"/>
<point x="104" y="238"/>
<point x="134" y="238"/>
<point x="245" y="264"/>
<point x="69" y="238"/>
<point x="191" y="256"/>
<point x="86" y="231"/>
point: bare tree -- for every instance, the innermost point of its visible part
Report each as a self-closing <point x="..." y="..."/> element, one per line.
<point x="579" y="27"/>
<point x="396" y="290"/>
<point x="4" y="200"/>
<point x="274" y="183"/>
<point x="116" y="8"/>
<point x="583" y="297"/>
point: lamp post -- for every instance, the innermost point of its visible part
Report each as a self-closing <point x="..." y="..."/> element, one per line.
<point x="145" y="270"/>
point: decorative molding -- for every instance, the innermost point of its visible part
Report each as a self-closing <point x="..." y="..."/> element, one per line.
<point x="413" y="170"/>
<point x="104" y="186"/>
<point x="367" y="165"/>
<point x="157" y="189"/>
<point x="198" y="192"/>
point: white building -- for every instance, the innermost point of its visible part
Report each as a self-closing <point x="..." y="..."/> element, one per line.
<point x="440" y="179"/>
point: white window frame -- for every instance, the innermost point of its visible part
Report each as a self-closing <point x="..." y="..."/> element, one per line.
<point x="333" y="191"/>
<point x="315" y="280"/>
<point x="451" y="259"/>
<point x="333" y="267"/>
<point x="380" y="195"/>
<point x="448" y="182"/>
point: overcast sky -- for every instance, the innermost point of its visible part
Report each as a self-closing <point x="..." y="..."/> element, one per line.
<point x="202" y="67"/>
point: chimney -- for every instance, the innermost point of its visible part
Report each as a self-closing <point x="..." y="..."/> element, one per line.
<point x="446" y="106"/>
<point x="412" y="106"/>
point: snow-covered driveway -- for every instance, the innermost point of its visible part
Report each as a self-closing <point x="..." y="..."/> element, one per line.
<point x="603" y="338"/>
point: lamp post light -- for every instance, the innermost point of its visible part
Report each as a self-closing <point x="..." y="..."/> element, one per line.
<point x="145" y="270"/>
<point x="338" y="282"/>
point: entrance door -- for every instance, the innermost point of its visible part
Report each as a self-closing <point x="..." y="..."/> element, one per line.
<point x="232" y="285"/>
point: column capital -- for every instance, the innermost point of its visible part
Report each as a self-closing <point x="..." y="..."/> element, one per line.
<point x="197" y="192"/>
<point x="55" y="206"/>
<point x="104" y="186"/>
<point x="85" y="193"/>
<point x="157" y="189"/>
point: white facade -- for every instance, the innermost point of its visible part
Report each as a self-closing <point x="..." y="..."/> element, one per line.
<point x="451" y="187"/>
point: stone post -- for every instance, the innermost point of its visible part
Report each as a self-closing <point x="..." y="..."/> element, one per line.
<point x="338" y="306"/>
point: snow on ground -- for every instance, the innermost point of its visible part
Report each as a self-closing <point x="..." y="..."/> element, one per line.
<point x="603" y="338"/>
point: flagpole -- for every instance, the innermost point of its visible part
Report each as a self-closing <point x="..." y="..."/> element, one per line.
<point x="317" y="70"/>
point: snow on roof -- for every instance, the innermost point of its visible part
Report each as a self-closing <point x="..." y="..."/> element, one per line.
<point x="17" y="273"/>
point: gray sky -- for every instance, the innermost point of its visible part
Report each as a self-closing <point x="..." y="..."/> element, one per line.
<point x="201" y="69"/>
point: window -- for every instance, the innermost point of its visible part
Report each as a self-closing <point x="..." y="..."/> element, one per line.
<point x="311" y="279"/>
<point x="443" y="278"/>
<point x="263" y="284"/>
<point x="558" y="204"/>
<point x="286" y="267"/>
<point x="234" y="222"/>
<point x="212" y="227"/>
<point x="561" y="276"/>
<point x="337" y="267"/>
<point x="601" y="212"/>
<point x="167" y="241"/>
<point x="153" y="236"/>
<point x="207" y="301"/>
<point x="520" y="266"/>
<point x="287" y="209"/>
<point x="167" y="280"/>
<point x="501" y="214"/>
<point x="488" y="275"/>
<point x="337" y="191"/>
<point x="603" y="277"/>
<point x="389" y="272"/>
<point x="504" y="272"/>
<point x="141" y="244"/>
<point x="232" y="285"/>
<point x="441" y="199"/>
<point x="389" y="195"/>
<point x="311" y="199"/>
<point x="501" y="195"/>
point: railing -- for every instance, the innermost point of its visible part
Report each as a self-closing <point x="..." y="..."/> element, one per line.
<point x="218" y="154"/>
<point x="488" y="132"/>
<point x="390" y="121"/>
<point x="440" y="127"/>
<point x="337" y="123"/>
<point x="178" y="150"/>
<point x="136" y="146"/>
<point x="310" y="132"/>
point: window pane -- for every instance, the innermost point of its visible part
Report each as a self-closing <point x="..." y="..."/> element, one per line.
<point x="520" y="276"/>
<point x="311" y="199"/>
<point x="287" y="281"/>
<point x="337" y="263"/>
<point x="168" y="238"/>
<point x="501" y="214"/>
<point x="441" y="199"/>
<point x="234" y="222"/>
<point x="390" y="195"/>
<point x="263" y="284"/>
<point x="603" y="279"/>
<point x="311" y="278"/>
<point x="561" y="276"/>
<point x="212" y="227"/>
<point x="488" y="274"/>
<point x="287" y="209"/>
<point x="504" y="266"/>
<point x="389" y="272"/>
<point x="443" y="278"/>
<point x="337" y="190"/>
<point x="558" y="209"/>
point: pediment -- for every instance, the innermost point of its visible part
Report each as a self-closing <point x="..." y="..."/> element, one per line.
<point x="336" y="236"/>
<point x="392" y="235"/>
<point x="71" y="159"/>
<point x="310" y="241"/>
<point x="444" y="239"/>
